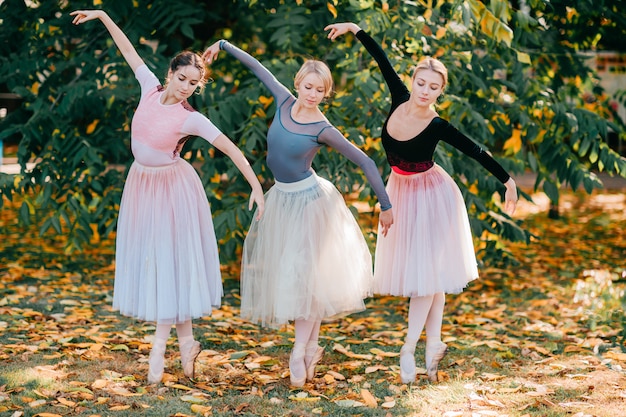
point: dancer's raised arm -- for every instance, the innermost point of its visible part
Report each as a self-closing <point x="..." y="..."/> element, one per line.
<point x="278" y="90"/>
<point x="119" y="37"/>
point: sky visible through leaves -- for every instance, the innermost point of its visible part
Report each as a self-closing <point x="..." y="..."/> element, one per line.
<point x="545" y="337"/>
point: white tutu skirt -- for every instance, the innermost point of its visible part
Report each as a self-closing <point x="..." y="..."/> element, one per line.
<point x="429" y="248"/>
<point x="306" y="258"/>
<point x="167" y="266"/>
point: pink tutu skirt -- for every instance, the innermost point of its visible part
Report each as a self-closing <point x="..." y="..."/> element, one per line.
<point x="429" y="248"/>
<point x="306" y="258"/>
<point x="167" y="267"/>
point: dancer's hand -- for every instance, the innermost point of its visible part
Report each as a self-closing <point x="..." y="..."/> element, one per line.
<point x="510" y="197"/>
<point x="386" y="220"/>
<point x="211" y="53"/>
<point x="82" y="16"/>
<point x="338" y="29"/>
<point x="256" y="196"/>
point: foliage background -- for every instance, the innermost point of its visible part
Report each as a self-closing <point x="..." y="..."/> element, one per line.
<point x="516" y="84"/>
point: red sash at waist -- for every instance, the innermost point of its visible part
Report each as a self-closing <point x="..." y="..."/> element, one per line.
<point x="410" y="168"/>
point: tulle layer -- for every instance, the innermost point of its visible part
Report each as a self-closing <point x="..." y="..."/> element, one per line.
<point x="429" y="248"/>
<point x="306" y="258"/>
<point x="167" y="264"/>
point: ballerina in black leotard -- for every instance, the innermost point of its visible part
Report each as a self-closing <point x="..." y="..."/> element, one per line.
<point x="430" y="250"/>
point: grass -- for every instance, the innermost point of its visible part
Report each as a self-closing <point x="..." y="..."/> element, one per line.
<point x="543" y="339"/>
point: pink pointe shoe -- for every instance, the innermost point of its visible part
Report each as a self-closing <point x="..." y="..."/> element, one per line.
<point x="434" y="355"/>
<point x="407" y="364"/>
<point x="313" y="355"/>
<point x="297" y="367"/>
<point x="156" y="363"/>
<point x="188" y="354"/>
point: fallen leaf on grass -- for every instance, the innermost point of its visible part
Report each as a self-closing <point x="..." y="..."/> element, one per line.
<point x="303" y="396"/>
<point x="193" y="399"/>
<point x="336" y="375"/>
<point x="49" y="371"/>
<point x="369" y="399"/>
<point x="349" y="403"/>
<point x="66" y="402"/>
<point x="119" y="407"/>
<point x="490" y="377"/>
<point x="388" y="404"/>
<point x="379" y="352"/>
<point x="619" y="356"/>
<point x="479" y="400"/>
<point x="37" y="403"/>
<point x="201" y="409"/>
<point x="181" y="387"/>
<point x="372" y="369"/>
<point x="338" y="348"/>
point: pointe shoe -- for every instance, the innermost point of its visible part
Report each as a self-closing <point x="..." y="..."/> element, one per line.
<point x="312" y="357"/>
<point x="297" y="367"/>
<point x="188" y="354"/>
<point x="407" y="364"/>
<point x="434" y="355"/>
<point x="156" y="363"/>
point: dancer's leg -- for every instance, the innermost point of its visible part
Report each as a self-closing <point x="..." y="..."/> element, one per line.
<point x="304" y="330"/>
<point x="435" y="348"/>
<point x="435" y="318"/>
<point x="418" y="313"/>
<point x="419" y="309"/>
<point x="297" y="368"/>
<point x="313" y="352"/>
<point x="189" y="348"/>
<point x="157" y="354"/>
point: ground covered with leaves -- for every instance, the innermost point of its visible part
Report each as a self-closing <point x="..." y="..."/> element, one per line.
<point x="544" y="337"/>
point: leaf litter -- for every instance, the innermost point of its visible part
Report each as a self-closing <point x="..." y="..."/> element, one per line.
<point x="545" y="337"/>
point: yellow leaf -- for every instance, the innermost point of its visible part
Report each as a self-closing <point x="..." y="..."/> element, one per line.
<point x="332" y="10"/>
<point x="47" y="415"/>
<point x="181" y="387"/>
<point x="192" y="399"/>
<point x="504" y="33"/>
<point x="523" y="57"/>
<point x="441" y="32"/>
<point x="380" y="352"/>
<point x="372" y="369"/>
<point x="35" y="88"/>
<point x="514" y="144"/>
<point x="36" y="403"/>
<point x="616" y="355"/>
<point x="120" y="347"/>
<point x="119" y="408"/>
<point x="304" y="397"/>
<point x="66" y="402"/>
<point x="266" y="101"/>
<point x="369" y="399"/>
<point x="201" y="409"/>
<point x="388" y="404"/>
<point x="336" y="375"/>
<point x="92" y="126"/>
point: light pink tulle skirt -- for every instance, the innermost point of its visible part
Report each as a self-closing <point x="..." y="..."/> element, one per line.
<point x="429" y="248"/>
<point x="167" y="267"/>
<point x="306" y="258"/>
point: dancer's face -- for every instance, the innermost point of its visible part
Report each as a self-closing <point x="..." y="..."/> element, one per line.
<point x="183" y="82"/>
<point x="311" y="90"/>
<point x="427" y="87"/>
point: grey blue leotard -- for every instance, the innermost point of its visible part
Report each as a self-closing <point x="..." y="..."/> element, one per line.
<point x="291" y="146"/>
